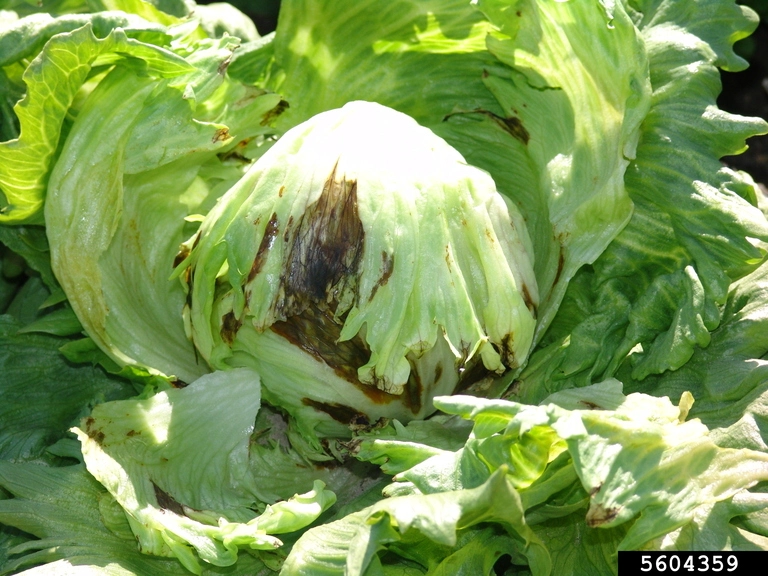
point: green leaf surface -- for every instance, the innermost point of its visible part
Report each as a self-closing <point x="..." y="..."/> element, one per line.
<point x="178" y="464"/>
<point x="656" y="292"/>
<point x="350" y="546"/>
<point x="53" y="79"/>
<point x="79" y="530"/>
<point x="116" y="220"/>
<point x="728" y="377"/>
<point x="42" y="395"/>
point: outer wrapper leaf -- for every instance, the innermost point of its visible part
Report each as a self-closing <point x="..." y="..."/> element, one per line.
<point x="57" y="73"/>
<point x="656" y="293"/>
<point x="178" y="465"/>
<point x="41" y="394"/>
<point x="81" y="529"/>
<point x="433" y="523"/>
<point x="592" y="460"/>
<point x="116" y="212"/>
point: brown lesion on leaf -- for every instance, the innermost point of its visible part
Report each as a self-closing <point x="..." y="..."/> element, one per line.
<point x="512" y="125"/>
<point x="221" y="135"/>
<point x="230" y="325"/>
<point x="271" y="115"/>
<point x="590" y="406"/>
<point x="176" y="383"/>
<point x="237" y="153"/>
<point x="166" y="502"/>
<point x="339" y="412"/>
<point x="317" y="332"/>
<point x="529" y="303"/>
<point x="387" y="266"/>
<point x="599" y="515"/>
<point x="560" y="265"/>
<point x="506" y="351"/>
<point x="413" y="390"/>
<point x="438" y="372"/>
<point x="324" y="251"/>
<point x="267" y="241"/>
<point x="222" y="68"/>
<point x="471" y="375"/>
<point x="288" y="226"/>
<point x="93" y="433"/>
<point x="182" y="255"/>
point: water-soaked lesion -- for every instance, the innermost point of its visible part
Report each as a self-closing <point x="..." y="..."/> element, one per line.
<point x="512" y="125"/>
<point x="317" y="331"/>
<point x="339" y="412"/>
<point x="325" y="250"/>
<point x="387" y="266"/>
<point x="529" y="302"/>
<point x="267" y="241"/>
<point x="166" y="502"/>
<point x="506" y="351"/>
<point x="470" y="375"/>
<point x="271" y="115"/>
<point x="230" y="325"/>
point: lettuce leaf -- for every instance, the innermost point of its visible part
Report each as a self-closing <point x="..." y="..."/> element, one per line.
<point x="113" y="251"/>
<point x="34" y="413"/>
<point x="434" y="531"/>
<point x="58" y="72"/>
<point x="178" y="465"/>
<point x="657" y="291"/>
<point x="592" y="459"/>
<point x="80" y="529"/>
<point x="647" y="255"/>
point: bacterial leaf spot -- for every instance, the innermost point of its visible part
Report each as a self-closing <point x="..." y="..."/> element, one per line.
<point x="512" y="125"/>
<point x="166" y="502"/>
<point x="387" y="266"/>
<point x="271" y="115"/>
<point x="267" y="241"/>
<point x="229" y="327"/>
<point x="327" y="245"/>
<point x="221" y="135"/>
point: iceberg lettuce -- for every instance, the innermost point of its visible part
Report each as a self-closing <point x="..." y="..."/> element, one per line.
<point x="541" y="223"/>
